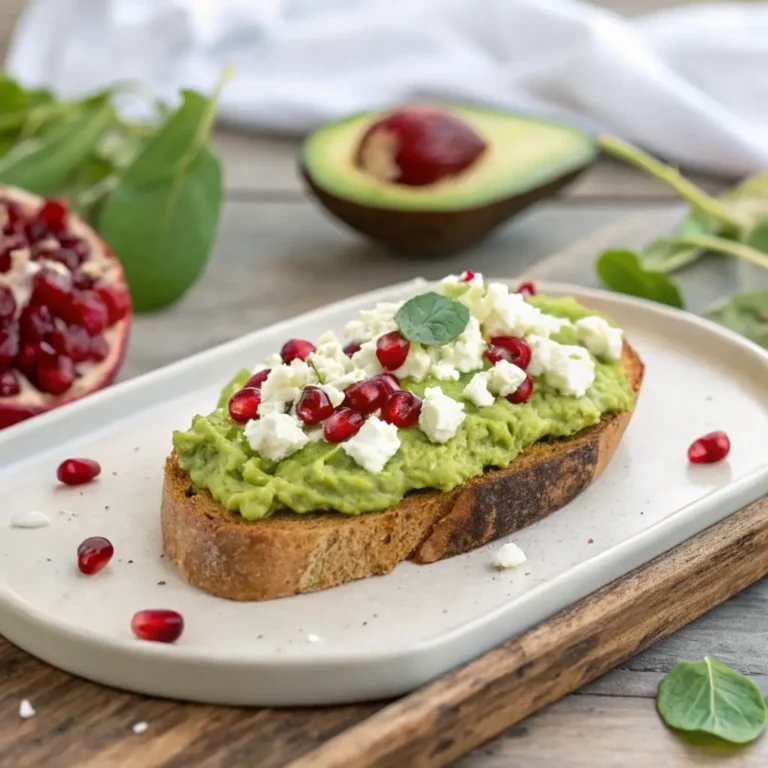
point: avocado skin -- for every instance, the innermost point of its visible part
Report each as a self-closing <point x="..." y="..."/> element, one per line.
<point x="434" y="233"/>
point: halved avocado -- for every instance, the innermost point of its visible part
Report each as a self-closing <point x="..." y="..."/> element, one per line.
<point x="525" y="160"/>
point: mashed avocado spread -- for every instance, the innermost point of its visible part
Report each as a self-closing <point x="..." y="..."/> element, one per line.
<point x="217" y="455"/>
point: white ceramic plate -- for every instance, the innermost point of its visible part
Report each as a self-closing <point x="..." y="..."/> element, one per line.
<point x="381" y="636"/>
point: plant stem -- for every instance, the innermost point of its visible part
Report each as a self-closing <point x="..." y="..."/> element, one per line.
<point x="689" y="191"/>
<point x="728" y="247"/>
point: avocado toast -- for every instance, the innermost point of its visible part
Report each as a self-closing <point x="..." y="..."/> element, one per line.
<point x="445" y="422"/>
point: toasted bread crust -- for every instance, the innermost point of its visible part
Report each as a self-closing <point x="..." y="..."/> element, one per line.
<point x="287" y="554"/>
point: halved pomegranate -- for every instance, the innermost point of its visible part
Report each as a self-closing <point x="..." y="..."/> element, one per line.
<point x="65" y="310"/>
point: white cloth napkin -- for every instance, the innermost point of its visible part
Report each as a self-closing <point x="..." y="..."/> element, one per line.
<point x="690" y="84"/>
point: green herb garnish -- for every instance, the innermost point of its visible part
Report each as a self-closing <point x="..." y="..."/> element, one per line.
<point x="432" y="319"/>
<point x="622" y="271"/>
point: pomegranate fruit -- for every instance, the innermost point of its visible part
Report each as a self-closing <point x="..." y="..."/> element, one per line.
<point x="709" y="448"/>
<point x="157" y="625"/>
<point x="392" y="350"/>
<point x="342" y="424"/>
<point x="78" y="471"/>
<point x="402" y="409"/>
<point x="523" y="393"/>
<point x="94" y="554"/>
<point x="509" y="348"/>
<point x="417" y="146"/>
<point x="65" y="310"/>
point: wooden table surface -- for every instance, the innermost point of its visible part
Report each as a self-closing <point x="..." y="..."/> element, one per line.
<point x="277" y="255"/>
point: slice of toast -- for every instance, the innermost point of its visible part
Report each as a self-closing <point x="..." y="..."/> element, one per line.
<point x="287" y="554"/>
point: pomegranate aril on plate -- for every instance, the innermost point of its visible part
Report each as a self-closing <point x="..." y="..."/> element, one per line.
<point x="314" y="406"/>
<point x="9" y="343"/>
<point x="402" y="409"/>
<point x="343" y="424"/>
<point x="389" y="381"/>
<point x="257" y="379"/>
<point x="99" y="349"/>
<point x="58" y="338"/>
<point x="296" y="349"/>
<point x="509" y="348"/>
<point x="9" y="384"/>
<point x="365" y="396"/>
<point x="244" y="405"/>
<point x="36" y="322"/>
<point x="709" y="448"/>
<point x="351" y="348"/>
<point x="78" y="471"/>
<point x="54" y="374"/>
<point x="79" y="343"/>
<point x="52" y="289"/>
<point x="89" y="311"/>
<point x="53" y="215"/>
<point x="526" y="290"/>
<point x="94" y="554"/>
<point x="157" y="625"/>
<point x="523" y="393"/>
<point x="7" y="305"/>
<point x="392" y="350"/>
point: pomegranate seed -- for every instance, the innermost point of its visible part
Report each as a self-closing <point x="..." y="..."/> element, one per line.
<point x="9" y="343"/>
<point x="467" y="276"/>
<point x="157" y="625"/>
<point x="365" y="396"/>
<point x="257" y="379"/>
<point x="79" y="343"/>
<point x="527" y="290"/>
<point x="392" y="349"/>
<point x="58" y="338"/>
<point x="342" y="424"/>
<point x="5" y="261"/>
<point x="35" y="231"/>
<point x="296" y="349"/>
<point x="9" y="245"/>
<point x="314" y="406"/>
<point x="81" y="281"/>
<point x="53" y="215"/>
<point x="15" y="215"/>
<point x="66" y="257"/>
<point x="351" y="348"/>
<point x="244" y="405"/>
<point x="76" y="244"/>
<point x="99" y="349"/>
<point x="523" y="393"/>
<point x="90" y="311"/>
<point x="402" y="409"/>
<point x="9" y="384"/>
<point x="78" y="471"/>
<point x="36" y="322"/>
<point x="389" y="381"/>
<point x="52" y="289"/>
<point x="55" y="374"/>
<point x="709" y="448"/>
<point x="30" y="352"/>
<point x="7" y="305"/>
<point x="94" y="554"/>
<point x="117" y="300"/>
<point x="509" y="348"/>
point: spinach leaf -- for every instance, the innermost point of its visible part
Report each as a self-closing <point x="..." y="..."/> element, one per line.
<point x="432" y="319"/>
<point x="745" y="313"/>
<point x="44" y="164"/>
<point x="163" y="215"/>
<point x="709" y="697"/>
<point x="621" y="271"/>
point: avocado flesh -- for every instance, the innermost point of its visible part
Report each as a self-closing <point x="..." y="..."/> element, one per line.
<point x="522" y="155"/>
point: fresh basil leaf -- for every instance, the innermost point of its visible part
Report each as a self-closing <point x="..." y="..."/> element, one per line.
<point x="709" y="697"/>
<point x="621" y="271"/>
<point x="745" y="313"/>
<point x="432" y="319"/>
<point x="667" y="255"/>
<point x="44" y="164"/>
<point x="163" y="216"/>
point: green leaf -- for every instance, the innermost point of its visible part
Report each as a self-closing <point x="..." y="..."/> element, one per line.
<point x="44" y="164"/>
<point x="745" y="313"/>
<point x="163" y="216"/>
<point x="709" y="697"/>
<point x="667" y="255"/>
<point x="432" y="319"/>
<point x="758" y="237"/>
<point x="621" y="271"/>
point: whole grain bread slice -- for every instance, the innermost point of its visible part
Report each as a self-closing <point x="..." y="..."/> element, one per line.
<point x="287" y="554"/>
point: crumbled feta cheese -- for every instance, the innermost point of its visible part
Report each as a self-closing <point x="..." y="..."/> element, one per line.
<point x="546" y="325"/>
<point x="285" y="382"/>
<point x="30" y="519"/>
<point x="509" y="555"/>
<point x="541" y="353"/>
<point x="315" y="434"/>
<point x="442" y="368"/>
<point x="504" y="378"/>
<point x="477" y="391"/>
<point x="275" y="436"/>
<point x="335" y="395"/>
<point x="365" y="359"/>
<point x="462" y="355"/>
<point x="466" y="292"/>
<point x="416" y="365"/>
<point x="373" y="322"/>
<point x="374" y="445"/>
<point x="327" y="368"/>
<point x="26" y="710"/>
<point x="600" y="339"/>
<point x="571" y="370"/>
<point x="440" y="415"/>
<point x="269" y="362"/>
<point x="334" y="351"/>
<point x="355" y="375"/>
<point x="139" y="728"/>
<point x="329" y="337"/>
<point x="271" y="406"/>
